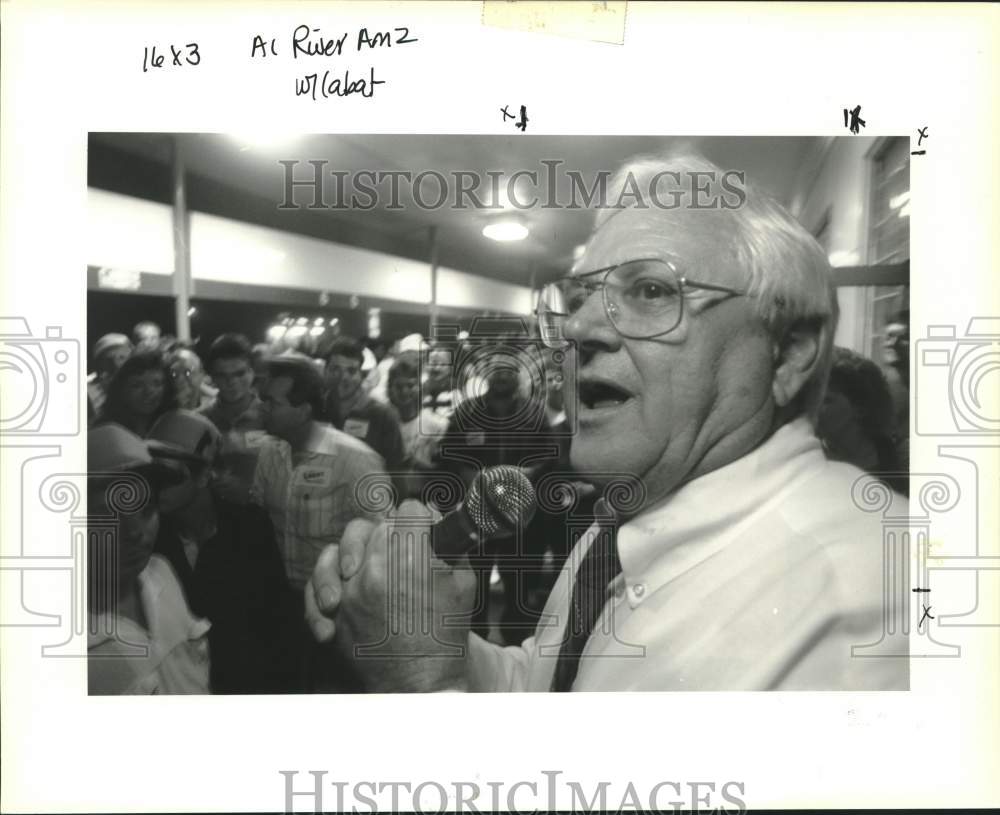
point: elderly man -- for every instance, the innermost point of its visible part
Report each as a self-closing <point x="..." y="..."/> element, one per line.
<point x="699" y="342"/>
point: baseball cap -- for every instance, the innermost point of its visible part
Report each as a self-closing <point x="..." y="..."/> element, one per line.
<point x="184" y="435"/>
<point x="112" y="448"/>
<point x="411" y="342"/>
<point x="109" y="341"/>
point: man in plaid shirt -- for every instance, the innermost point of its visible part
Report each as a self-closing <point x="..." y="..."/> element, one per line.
<point x="310" y="479"/>
<point x="308" y="475"/>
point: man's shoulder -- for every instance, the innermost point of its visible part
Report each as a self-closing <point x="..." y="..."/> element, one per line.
<point x="270" y="446"/>
<point x="836" y="523"/>
<point x="839" y="499"/>
<point x="332" y="442"/>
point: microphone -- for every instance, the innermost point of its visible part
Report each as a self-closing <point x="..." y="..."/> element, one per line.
<point x="500" y="501"/>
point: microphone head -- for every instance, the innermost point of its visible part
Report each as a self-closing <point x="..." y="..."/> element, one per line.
<point x="501" y="500"/>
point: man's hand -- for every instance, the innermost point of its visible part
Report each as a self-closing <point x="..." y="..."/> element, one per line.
<point x="397" y="612"/>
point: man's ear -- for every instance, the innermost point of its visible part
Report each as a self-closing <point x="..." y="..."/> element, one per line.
<point x="796" y="358"/>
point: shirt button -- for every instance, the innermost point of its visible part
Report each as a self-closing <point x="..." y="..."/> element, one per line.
<point x="639" y="589"/>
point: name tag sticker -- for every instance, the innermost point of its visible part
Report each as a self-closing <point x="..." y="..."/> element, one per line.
<point x="254" y="438"/>
<point x="313" y="477"/>
<point x="356" y="427"/>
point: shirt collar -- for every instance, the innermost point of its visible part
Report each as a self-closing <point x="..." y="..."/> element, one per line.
<point x="703" y="515"/>
<point x="318" y="442"/>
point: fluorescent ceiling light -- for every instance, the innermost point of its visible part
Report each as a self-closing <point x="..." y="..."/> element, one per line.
<point x="506" y="229"/>
<point x="263" y="139"/>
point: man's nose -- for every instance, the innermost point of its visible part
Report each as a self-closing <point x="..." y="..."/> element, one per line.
<point x="591" y="329"/>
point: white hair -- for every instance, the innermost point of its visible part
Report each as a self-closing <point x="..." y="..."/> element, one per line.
<point x="789" y="276"/>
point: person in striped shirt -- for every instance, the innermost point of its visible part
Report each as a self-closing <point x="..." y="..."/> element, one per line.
<point x="313" y="480"/>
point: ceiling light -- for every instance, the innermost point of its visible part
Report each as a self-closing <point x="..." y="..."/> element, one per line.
<point x="263" y="139"/>
<point x="506" y="229"/>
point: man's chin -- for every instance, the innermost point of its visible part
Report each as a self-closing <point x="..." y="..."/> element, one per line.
<point x="597" y="455"/>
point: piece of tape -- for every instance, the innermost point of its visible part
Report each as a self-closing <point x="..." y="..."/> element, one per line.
<point x="599" y="22"/>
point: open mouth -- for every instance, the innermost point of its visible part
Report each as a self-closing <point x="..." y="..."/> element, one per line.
<point x="596" y="395"/>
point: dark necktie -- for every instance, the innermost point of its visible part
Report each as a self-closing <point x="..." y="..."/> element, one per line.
<point x="599" y="567"/>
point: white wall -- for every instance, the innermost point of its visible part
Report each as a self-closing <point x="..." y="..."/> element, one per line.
<point x="234" y="252"/>
<point x="838" y="181"/>
<point x="457" y="290"/>
<point x="130" y="234"/>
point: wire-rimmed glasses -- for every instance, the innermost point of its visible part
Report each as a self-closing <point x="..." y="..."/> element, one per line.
<point x="643" y="299"/>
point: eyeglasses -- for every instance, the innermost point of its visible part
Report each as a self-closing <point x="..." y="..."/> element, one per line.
<point x="643" y="299"/>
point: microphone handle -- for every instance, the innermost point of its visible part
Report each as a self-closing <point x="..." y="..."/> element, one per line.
<point x="454" y="536"/>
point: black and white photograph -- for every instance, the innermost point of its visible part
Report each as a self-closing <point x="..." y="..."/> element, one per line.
<point x="498" y="406"/>
<point x="524" y="413"/>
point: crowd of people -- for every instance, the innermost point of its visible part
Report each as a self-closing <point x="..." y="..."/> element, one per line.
<point x="257" y="458"/>
<point x="251" y="460"/>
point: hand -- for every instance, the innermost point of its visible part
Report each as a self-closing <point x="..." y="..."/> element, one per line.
<point x="390" y="606"/>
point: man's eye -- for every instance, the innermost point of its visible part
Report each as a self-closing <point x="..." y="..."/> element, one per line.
<point x="652" y="290"/>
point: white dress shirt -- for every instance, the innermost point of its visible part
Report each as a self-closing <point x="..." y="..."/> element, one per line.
<point x="175" y="658"/>
<point x="758" y="576"/>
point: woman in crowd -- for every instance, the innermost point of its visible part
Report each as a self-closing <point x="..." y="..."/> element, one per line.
<point x="140" y="392"/>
